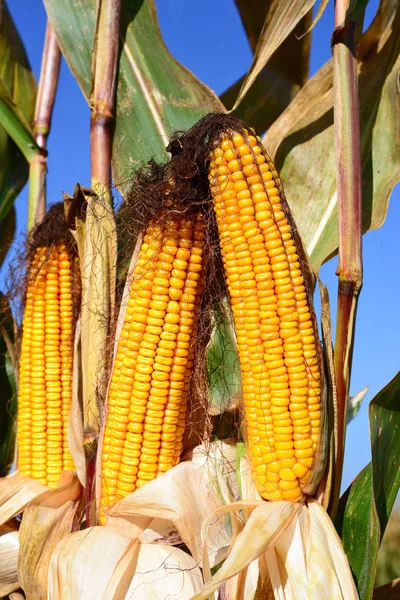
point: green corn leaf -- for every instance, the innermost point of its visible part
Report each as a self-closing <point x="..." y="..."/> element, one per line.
<point x="8" y="390"/>
<point x="365" y="507"/>
<point x="17" y="106"/>
<point x="155" y="94"/>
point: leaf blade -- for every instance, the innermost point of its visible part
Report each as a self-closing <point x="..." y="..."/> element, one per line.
<point x="365" y="507"/>
<point x="155" y="94"/>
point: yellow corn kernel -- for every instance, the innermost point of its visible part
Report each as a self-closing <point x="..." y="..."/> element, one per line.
<point x="45" y="390"/>
<point x="275" y="326"/>
<point x="152" y="372"/>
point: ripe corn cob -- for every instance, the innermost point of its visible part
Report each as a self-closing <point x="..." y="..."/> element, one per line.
<point x="276" y="334"/>
<point x="149" y="387"/>
<point x="46" y="367"/>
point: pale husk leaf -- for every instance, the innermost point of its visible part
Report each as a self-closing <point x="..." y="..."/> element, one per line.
<point x="301" y="550"/>
<point x="185" y="496"/>
<point x="97" y="248"/>
<point x="16" y="491"/>
<point x="75" y="420"/>
<point x="94" y="564"/>
<point x="265" y="524"/>
<point x="47" y="520"/>
<point x="9" y="547"/>
<point x="164" y="572"/>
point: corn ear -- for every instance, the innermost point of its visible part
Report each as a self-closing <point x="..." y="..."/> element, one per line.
<point x="280" y="355"/>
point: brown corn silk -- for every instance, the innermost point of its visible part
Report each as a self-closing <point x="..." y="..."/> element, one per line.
<point x="276" y="329"/>
<point x="149" y="388"/>
<point x="45" y="371"/>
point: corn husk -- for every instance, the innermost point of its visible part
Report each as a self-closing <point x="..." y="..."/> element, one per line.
<point x="47" y="520"/>
<point x="164" y="572"/>
<point x="299" y="546"/>
<point x="101" y="564"/>
<point x="96" y="563"/>
<point x="184" y="497"/>
<point x="75" y="421"/>
<point x="9" y="547"/>
<point x="16" y="491"/>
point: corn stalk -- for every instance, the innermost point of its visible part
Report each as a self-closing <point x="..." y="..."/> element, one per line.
<point x="49" y="76"/>
<point x="348" y="169"/>
<point x="98" y="264"/>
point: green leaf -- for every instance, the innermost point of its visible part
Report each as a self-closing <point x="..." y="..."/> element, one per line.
<point x="17" y="98"/>
<point x="283" y="76"/>
<point x="223" y="368"/>
<point x="302" y="140"/>
<point x="365" y="507"/>
<point x="8" y="392"/>
<point x="281" y="19"/>
<point x="7" y="231"/>
<point x="155" y="94"/>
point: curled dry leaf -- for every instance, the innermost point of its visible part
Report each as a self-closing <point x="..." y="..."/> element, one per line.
<point x="47" y="520"/>
<point x="16" y="491"/>
<point x="299" y="547"/>
<point x="9" y="547"/>
<point x="282" y="17"/>
<point x="184" y="497"/>
<point x="302" y="141"/>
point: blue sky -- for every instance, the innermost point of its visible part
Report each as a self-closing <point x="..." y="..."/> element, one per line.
<point x="208" y="38"/>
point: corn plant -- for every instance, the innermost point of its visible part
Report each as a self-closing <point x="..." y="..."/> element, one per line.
<point x="171" y="423"/>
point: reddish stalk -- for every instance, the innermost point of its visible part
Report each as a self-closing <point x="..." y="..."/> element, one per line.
<point x="349" y="186"/>
<point x="102" y="102"/>
<point x="48" y="82"/>
<point x="102" y="97"/>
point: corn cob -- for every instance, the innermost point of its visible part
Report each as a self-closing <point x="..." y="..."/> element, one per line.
<point x="149" y="387"/>
<point x="276" y="333"/>
<point x="46" y="366"/>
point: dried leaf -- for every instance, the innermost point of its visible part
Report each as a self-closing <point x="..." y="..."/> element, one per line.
<point x="283" y="76"/>
<point x="47" y="520"/>
<point x="16" y="491"/>
<point x="302" y="140"/>
<point x="281" y="19"/>
<point x="9" y="547"/>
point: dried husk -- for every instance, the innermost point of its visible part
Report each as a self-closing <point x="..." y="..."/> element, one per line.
<point x="184" y="497"/>
<point x="16" y="491"/>
<point x="9" y="547"/>
<point x="47" y="520"/>
<point x="164" y="572"/>
<point x="301" y="549"/>
<point x="93" y="226"/>
<point x="94" y="564"/>
<point x="75" y="420"/>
